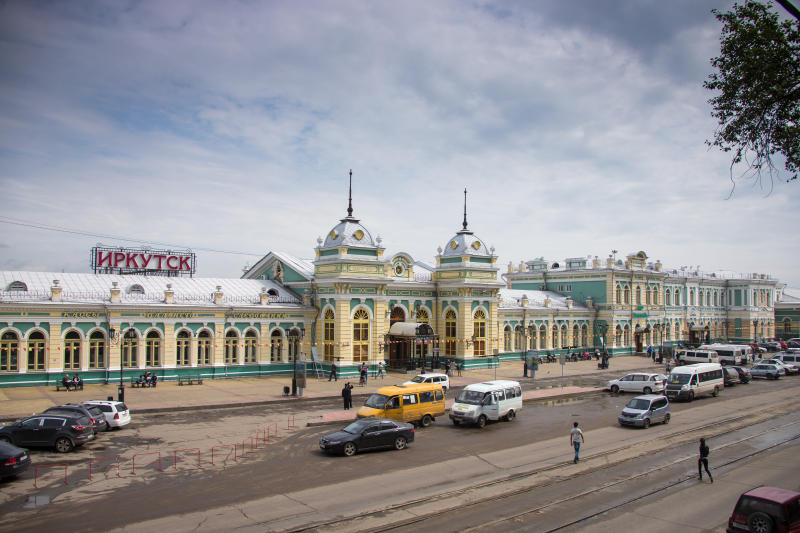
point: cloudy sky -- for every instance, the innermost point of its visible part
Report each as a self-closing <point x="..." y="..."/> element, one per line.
<point x="578" y="128"/>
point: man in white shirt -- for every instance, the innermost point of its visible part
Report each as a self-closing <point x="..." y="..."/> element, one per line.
<point x="575" y="438"/>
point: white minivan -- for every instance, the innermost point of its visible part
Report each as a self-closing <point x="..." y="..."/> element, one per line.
<point x="728" y="354"/>
<point x="689" y="381"/>
<point x="697" y="356"/>
<point x="490" y="400"/>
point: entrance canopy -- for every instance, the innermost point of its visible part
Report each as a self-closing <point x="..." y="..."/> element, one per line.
<point x="410" y="329"/>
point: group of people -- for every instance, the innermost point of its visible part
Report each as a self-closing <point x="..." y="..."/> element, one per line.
<point x="148" y="379"/>
<point x="347" y="395"/>
<point x="451" y="365"/>
<point x="72" y="383"/>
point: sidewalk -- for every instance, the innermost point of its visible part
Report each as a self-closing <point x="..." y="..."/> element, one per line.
<point x="17" y="402"/>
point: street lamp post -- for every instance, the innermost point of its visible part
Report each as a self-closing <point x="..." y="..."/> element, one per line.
<point x="294" y="360"/>
<point x="755" y="331"/>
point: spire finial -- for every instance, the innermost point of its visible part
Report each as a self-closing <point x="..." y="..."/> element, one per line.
<point x="350" y="196"/>
<point x="465" y="208"/>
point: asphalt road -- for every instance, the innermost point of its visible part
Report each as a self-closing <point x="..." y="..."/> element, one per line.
<point x="293" y="463"/>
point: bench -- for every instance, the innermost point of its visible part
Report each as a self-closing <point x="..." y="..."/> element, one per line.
<point x="190" y="380"/>
<point x="60" y="386"/>
<point x="135" y="383"/>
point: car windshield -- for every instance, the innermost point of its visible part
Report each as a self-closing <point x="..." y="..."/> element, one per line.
<point x="356" y="427"/>
<point x="679" y="379"/>
<point x="418" y="379"/>
<point x="376" y="401"/>
<point x="639" y="404"/>
<point x="470" y="397"/>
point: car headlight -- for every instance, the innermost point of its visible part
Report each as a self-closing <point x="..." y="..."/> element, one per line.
<point x="685" y="387"/>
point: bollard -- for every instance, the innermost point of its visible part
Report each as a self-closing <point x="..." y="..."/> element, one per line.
<point x="98" y="459"/>
<point x="175" y="456"/>
<point x="133" y="461"/>
<point x="223" y="446"/>
<point x="36" y="472"/>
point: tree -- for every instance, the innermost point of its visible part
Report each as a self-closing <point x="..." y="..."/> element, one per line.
<point x="758" y="79"/>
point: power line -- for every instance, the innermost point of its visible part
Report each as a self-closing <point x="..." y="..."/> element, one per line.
<point x="36" y="225"/>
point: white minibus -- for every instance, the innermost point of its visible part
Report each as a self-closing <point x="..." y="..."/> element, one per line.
<point x="697" y="356"/>
<point x="689" y="381"/>
<point x="728" y="354"/>
<point x="489" y="400"/>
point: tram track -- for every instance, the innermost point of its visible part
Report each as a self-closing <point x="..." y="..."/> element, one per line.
<point x="609" y="459"/>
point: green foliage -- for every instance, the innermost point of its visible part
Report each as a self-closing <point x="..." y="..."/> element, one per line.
<point x="758" y="78"/>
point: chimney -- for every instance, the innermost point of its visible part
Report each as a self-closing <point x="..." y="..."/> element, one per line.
<point x="595" y="262"/>
<point x="264" y="296"/>
<point x="524" y="301"/>
<point x="547" y="302"/>
<point x="659" y="266"/>
<point x="589" y="302"/>
<point x="55" y="292"/>
<point x="510" y="267"/>
<point x="169" y="294"/>
<point x="609" y="262"/>
<point x="569" y="302"/>
<point x="522" y="266"/>
<point x="217" y="295"/>
<point x="115" y="292"/>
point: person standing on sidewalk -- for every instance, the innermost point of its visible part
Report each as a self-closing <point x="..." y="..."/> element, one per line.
<point x="702" y="461"/>
<point x="347" y="396"/>
<point x="576" y="438"/>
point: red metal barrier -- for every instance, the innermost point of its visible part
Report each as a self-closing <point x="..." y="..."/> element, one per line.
<point x="223" y="446"/>
<point x="98" y="459"/>
<point x="290" y="422"/>
<point x="133" y="467"/>
<point x="273" y="435"/>
<point x="36" y="472"/>
<point x="175" y="456"/>
<point x="261" y="439"/>
<point x="244" y="446"/>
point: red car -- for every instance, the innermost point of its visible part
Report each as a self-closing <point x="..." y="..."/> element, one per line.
<point x="766" y="510"/>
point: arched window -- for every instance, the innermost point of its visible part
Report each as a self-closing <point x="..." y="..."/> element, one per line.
<point x="136" y="289"/>
<point x="182" y="348"/>
<point x="691" y="297"/>
<point x="627" y="294"/>
<point x="715" y="299"/>
<point x="360" y="336"/>
<point x="204" y="348"/>
<point x="677" y="296"/>
<point x="17" y="286"/>
<point x="668" y="332"/>
<point x="654" y="297"/>
<point x="542" y="337"/>
<point x="638" y="296"/>
<point x="152" y="349"/>
<point x="507" y="339"/>
<point x="585" y="335"/>
<point x="787" y="326"/>
<point x="556" y="344"/>
<point x="294" y="344"/>
<point x="618" y="336"/>
<point x="518" y="338"/>
<point x="329" y="334"/>
<point x="130" y="349"/>
<point x="398" y="315"/>
<point x="36" y="351"/>
<point x="626" y="336"/>
<point x="564" y="338"/>
<point x="618" y="294"/>
<point x="97" y="350"/>
<point x="276" y="346"/>
<point x="422" y="316"/>
<point x="647" y="296"/>
<point x="668" y="299"/>
<point x="250" y="346"/>
<point x="9" y="352"/>
<point x="72" y="351"/>
<point x="231" y="347"/>
<point x="450" y="332"/>
<point x="576" y="335"/>
<point x="479" y="333"/>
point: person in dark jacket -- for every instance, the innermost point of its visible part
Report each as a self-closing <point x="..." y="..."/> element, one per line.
<point x="153" y="380"/>
<point x="347" y="396"/>
<point x="702" y="461"/>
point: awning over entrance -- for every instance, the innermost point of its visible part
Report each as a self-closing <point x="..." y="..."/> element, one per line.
<point x="642" y="330"/>
<point x="410" y="329"/>
<point x="697" y="328"/>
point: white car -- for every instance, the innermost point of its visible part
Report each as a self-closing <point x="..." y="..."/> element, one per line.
<point x="638" y="382"/>
<point x="441" y="379"/>
<point x="117" y="413"/>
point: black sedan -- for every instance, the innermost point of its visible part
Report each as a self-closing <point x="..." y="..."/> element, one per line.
<point x="368" y="434"/>
<point x="13" y="460"/>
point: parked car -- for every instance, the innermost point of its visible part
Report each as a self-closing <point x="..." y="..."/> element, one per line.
<point x="744" y="374"/>
<point x="441" y="379"/>
<point x="638" y="382"/>
<point x="643" y="410"/>
<point x="793" y="344"/>
<point x="766" y="509"/>
<point x="790" y="368"/>
<point x="729" y="376"/>
<point x="60" y="431"/>
<point x="116" y="414"/>
<point x="770" y="346"/>
<point x="766" y="370"/>
<point x="368" y="434"/>
<point x="13" y="460"/>
<point x="96" y="416"/>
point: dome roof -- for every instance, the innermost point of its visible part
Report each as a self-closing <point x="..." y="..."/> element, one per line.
<point x="466" y="243"/>
<point x="349" y="232"/>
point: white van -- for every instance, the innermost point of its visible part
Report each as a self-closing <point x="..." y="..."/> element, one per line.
<point x="689" y="381"/>
<point x="491" y="400"/>
<point x="697" y="356"/>
<point x="728" y="354"/>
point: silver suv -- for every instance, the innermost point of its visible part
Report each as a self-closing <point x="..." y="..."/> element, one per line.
<point x="643" y="410"/>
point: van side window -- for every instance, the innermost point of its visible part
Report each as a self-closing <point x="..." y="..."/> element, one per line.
<point x="426" y="396"/>
<point x="393" y="403"/>
<point x="409" y="399"/>
<point x="517" y="392"/>
<point x="499" y="396"/>
<point x="509" y="393"/>
<point x="438" y="395"/>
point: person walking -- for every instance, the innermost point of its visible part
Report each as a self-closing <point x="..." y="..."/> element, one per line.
<point x="332" y="375"/>
<point x="576" y="438"/>
<point x="380" y="369"/>
<point x="459" y="367"/>
<point x="702" y="461"/>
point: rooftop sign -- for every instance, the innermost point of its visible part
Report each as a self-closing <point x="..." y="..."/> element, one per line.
<point x="107" y="260"/>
